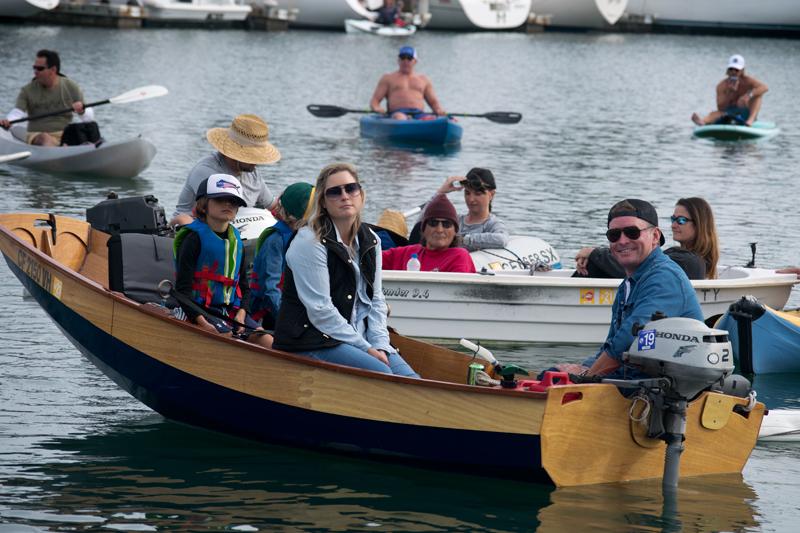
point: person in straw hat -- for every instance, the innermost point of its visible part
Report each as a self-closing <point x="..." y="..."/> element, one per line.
<point x="391" y="229"/>
<point x="240" y="147"/>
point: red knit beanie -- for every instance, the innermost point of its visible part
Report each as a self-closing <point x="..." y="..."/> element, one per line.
<point x="440" y="207"/>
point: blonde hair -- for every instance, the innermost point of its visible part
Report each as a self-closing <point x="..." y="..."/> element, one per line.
<point x="319" y="221"/>
<point x="706" y="242"/>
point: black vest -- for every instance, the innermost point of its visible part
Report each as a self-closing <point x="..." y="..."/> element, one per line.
<point x="293" y="330"/>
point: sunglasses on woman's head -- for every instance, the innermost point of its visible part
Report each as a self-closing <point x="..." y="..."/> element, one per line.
<point x="631" y="232"/>
<point x="348" y="188"/>
<point x="680" y="220"/>
<point x="446" y="224"/>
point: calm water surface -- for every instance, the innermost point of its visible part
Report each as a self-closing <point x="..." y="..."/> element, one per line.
<point x="605" y="117"/>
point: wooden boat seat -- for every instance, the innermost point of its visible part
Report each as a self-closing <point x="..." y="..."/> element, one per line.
<point x="64" y="239"/>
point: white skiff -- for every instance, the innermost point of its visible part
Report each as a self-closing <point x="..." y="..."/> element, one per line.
<point x="367" y="26"/>
<point x="25" y="8"/>
<point x="546" y="307"/>
<point x="112" y="159"/>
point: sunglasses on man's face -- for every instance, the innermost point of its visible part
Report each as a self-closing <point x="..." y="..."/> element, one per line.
<point x="434" y="222"/>
<point x="405" y="57"/>
<point x="39" y="68"/>
<point x="350" y="189"/>
<point x="631" y="232"/>
<point x="680" y="220"/>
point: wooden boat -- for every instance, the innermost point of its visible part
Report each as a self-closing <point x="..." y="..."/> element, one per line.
<point x="112" y="159"/>
<point x="373" y="28"/>
<point x="737" y="132"/>
<point x="224" y="384"/>
<point x="546" y="307"/>
<point x="441" y="131"/>
<point x="773" y="337"/>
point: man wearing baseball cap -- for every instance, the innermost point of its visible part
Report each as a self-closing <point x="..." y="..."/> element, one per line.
<point x="405" y="91"/>
<point x="653" y="282"/>
<point x="738" y="97"/>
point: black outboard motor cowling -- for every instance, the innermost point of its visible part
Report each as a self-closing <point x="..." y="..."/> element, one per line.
<point x="139" y="214"/>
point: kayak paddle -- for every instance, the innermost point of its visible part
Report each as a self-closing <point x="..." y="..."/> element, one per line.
<point x="332" y="111"/>
<point x="134" y="95"/>
<point x="13" y="157"/>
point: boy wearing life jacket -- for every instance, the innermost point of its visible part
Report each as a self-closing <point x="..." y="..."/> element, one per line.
<point x="209" y="261"/>
<point x="266" y="280"/>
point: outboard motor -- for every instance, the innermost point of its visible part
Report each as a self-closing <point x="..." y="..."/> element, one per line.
<point x="684" y="357"/>
<point x="139" y="214"/>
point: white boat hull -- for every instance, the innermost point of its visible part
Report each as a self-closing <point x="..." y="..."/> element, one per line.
<point x="579" y="14"/>
<point x="324" y="13"/>
<point x="549" y="307"/>
<point x="112" y="159"/>
<point x="465" y="15"/>
<point x="733" y="14"/>
<point x="197" y="11"/>
<point x="25" y="8"/>
<point x="371" y="28"/>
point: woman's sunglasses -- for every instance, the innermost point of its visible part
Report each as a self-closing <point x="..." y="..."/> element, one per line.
<point x="351" y="189"/>
<point x="433" y="222"/>
<point x="680" y="220"/>
<point x="631" y="232"/>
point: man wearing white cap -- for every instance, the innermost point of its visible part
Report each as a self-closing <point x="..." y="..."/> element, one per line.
<point x="240" y="147"/>
<point x="738" y="97"/>
<point x="405" y="91"/>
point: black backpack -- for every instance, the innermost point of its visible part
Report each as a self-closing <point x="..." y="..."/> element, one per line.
<point x="77" y="133"/>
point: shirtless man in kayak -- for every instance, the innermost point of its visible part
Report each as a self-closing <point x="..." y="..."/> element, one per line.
<point x="48" y="91"/>
<point x="405" y="91"/>
<point x="738" y="97"/>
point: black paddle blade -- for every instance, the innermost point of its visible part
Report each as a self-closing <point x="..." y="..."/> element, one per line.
<point x="504" y="117"/>
<point x="326" y="111"/>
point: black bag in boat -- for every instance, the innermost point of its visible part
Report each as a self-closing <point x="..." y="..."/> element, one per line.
<point x="77" y="133"/>
<point x="140" y="214"/>
<point x="137" y="263"/>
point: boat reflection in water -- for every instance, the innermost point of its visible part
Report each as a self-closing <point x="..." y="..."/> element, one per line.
<point x="711" y="503"/>
<point x="152" y="473"/>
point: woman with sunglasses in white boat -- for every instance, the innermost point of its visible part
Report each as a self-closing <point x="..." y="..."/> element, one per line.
<point x="333" y="307"/>
<point x="697" y="253"/>
<point x="439" y="249"/>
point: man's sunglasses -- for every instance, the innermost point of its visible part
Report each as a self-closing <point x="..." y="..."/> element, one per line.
<point x="39" y="68"/>
<point x="348" y="188"/>
<point x="631" y="232"/>
<point x="446" y="224"/>
<point x="680" y="220"/>
<point x="406" y="57"/>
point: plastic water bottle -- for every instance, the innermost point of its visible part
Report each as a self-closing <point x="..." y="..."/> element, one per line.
<point x="413" y="264"/>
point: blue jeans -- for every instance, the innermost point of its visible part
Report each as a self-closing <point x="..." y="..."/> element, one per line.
<point x="349" y="355"/>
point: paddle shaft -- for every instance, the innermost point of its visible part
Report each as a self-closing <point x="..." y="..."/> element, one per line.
<point x="332" y="111"/>
<point x="59" y="112"/>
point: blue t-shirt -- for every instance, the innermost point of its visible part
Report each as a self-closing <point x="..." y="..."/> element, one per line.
<point x="659" y="284"/>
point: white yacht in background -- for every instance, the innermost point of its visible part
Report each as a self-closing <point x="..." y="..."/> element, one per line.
<point x="763" y="15"/>
<point x="478" y="14"/>
<point x="326" y="14"/>
<point x="25" y="8"/>
<point x="578" y="14"/>
<point x="196" y="10"/>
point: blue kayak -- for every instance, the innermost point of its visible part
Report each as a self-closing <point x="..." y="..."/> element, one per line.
<point x="736" y="132"/>
<point x="439" y="131"/>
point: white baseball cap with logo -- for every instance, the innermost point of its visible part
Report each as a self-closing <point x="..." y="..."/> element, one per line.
<point x="221" y="186"/>
<point x="736" y="61"/>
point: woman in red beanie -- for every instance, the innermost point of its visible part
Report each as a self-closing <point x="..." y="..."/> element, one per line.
<point x="439" y="249"/>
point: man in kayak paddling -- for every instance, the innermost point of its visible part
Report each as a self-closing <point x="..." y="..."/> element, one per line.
<point x="240" y="148"/>
<point x="405" y="91"/>
<point x="49" y="91"/>
<point x="739" y="97"/>
<point x="652" y="283"/>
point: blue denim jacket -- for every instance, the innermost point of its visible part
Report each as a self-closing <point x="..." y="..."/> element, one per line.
<point x="308" y="259"/>
<point x="659" y="284"/>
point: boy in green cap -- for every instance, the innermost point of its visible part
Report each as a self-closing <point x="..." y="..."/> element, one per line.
<point x="266" y="279"/>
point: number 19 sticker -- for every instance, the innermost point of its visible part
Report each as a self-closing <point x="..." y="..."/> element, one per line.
<point x="647" y="339"/>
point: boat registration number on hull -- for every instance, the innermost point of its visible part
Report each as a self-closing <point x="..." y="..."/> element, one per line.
<point x="39" y="274"/>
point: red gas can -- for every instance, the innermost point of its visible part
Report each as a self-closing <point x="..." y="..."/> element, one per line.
<point x="550" y="379"/>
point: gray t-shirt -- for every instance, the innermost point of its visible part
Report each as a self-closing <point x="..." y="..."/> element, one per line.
<point x="491" y="233"/>
<point x="35" y="99"/>
<point x="255" y="191"/>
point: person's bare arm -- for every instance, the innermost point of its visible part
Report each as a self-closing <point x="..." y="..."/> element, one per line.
<point x="757" y="89"/>
<point x="430" y="97"/>
<point x="722" y="95"/>
<point x="605" y="364"/>
<point x="381" y="92"/>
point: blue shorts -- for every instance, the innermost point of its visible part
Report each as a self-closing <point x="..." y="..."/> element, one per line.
<point x="414" y="112"/>
<point x="737" y="114"/>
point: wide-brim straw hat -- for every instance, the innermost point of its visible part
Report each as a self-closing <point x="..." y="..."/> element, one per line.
<point x="394" y="221"/>
<point x="246" y="141"/>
